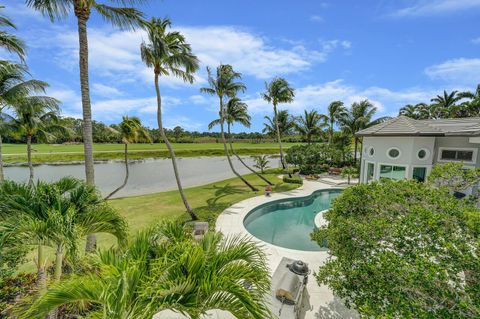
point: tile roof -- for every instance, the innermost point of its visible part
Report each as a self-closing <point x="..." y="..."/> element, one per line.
<point x="405" y="126"/>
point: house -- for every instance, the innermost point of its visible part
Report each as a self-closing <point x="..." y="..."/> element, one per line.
<point x="407" y="148"/>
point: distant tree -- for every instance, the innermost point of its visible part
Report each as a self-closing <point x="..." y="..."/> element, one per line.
<point x="286" y="124"/>
<point x="276" y="92"/>
<point x="453" y="176"/>
<point x="445" y="105"/>
<point x="178" y="131"/>
<point x="310" y="125"/>
<point x="401" y="249"/>
<point x="168" y="53"/>
<point x="471" y="108"/>
<point x="36" y="116"/>
<point x="261" y="162"/>
<point x="349" y="172"/>
<point x="336" y="111"/>
<point x="131" y="131"/>
<point x="225" y="83"/>
<point x="410" y="111"/>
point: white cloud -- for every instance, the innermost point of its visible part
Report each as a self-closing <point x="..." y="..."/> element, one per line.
<point x="434" y="7"/>
<point x="185" y="122"/>
<point x="316" y="18"/>
<point x="476" y="40"/>
<point x="461" y="70"/>
<point x="105" y="90"/>
<point x="71" y="101"/>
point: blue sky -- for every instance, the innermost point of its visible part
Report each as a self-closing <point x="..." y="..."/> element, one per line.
<point x="392" y="52"/>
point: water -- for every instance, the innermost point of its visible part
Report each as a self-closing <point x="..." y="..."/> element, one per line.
<point x="289" y="222"/>
<point x="146" y="176"/>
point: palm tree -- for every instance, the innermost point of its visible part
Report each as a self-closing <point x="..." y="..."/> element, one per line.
<point x="236" y="112"/>
<point x="168" y="53"/>
<point x="164" y="268"/>
<point x="131" y="131"/>
<point x="124" y="18"/>
<point x="445" y="105"/>
<point x="310" y="125"/>
<point x="359" y="117"/>
<point x="224" y="85"/>
<point x="335" y="111"/>
<point x="471" y="108"/>
<point x="10" y="42"/>
<point x="36" y="116"/>
<point x="286" y="124"/>
<point x="13" y="86"/>
<point x="410" y="111"/>
<point x="261" y="162"/>
<point x="57" y="215"/>
<point x="278" y="91"/>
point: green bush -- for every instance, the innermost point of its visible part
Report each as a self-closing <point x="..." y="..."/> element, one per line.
<point x="293" y="179"/>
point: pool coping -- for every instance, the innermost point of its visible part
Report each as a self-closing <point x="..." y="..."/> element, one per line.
<point x="321" y="298"/>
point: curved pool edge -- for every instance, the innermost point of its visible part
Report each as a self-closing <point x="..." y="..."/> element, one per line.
<point x="318" y="220"/>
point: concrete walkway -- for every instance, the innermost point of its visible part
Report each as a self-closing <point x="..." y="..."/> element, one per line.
<point x="319" y="300"/>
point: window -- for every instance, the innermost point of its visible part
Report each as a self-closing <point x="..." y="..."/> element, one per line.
<point x="419" y="173"/>
<point x="371" y="151"/>
<point x="457" y="155"/>
<point x="392" y="172"/>
<point x="393" y="153"/>
<point x="370" y="171"/>
<point x="423" y="154"/>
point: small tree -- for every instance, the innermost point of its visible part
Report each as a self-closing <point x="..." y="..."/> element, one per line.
<point x="261" y="162"/>
<point x="349" y="172"/>
<point x="453" y="176"/>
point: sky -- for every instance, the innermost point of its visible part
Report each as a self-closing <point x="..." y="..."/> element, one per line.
<point x="393" y="52"/>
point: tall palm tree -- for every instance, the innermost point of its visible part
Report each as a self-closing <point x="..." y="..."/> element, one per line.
<point x="278" y="91"/>
<point x="335" y="111"/>
<point x="286" y="124"/>
<point x="359" y="117"/>
<point x="36" y="116"/>
<point x="131" y="131"/>
<point x="310" y="125"/>
<point x="445" y="105"/>
<point x="410" y="111"/>
<point x="168" y="53"/>
<point x="224" y="85"/>
<point x="471" y="108"/>
<point x="13" y="86"/>
<point x="10" y="42"/>
<point x="124" y="18"/>
<point x="56" y="215"/>
<point x="164" y="268"/>
<point x="236" y="112"/>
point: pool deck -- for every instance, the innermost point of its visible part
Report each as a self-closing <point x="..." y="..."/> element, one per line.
<point x="319" y="300"/>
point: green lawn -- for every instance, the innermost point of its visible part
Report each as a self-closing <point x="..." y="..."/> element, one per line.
<point x="208" y="202"/>
<point x="43" y="153"/>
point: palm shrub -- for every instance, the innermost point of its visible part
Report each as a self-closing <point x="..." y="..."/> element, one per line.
<point x="261" y="162"/>
<point x="164" y="268"/>
<point x="349" y="172"/>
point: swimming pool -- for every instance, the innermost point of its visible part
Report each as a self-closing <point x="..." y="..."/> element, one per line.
<point x="288" y="222"/>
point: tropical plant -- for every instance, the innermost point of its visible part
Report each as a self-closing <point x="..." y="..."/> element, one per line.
<point x="286" y="124"/>
<point x="310" y="125"/>
<point x="409" y="110"/>
<point x="56" y="215"/>
<point x="236" y="112"/>
<point x="349" y="172"/>
<point x="278" y="91"/>
<point x="168" y="53"/>
<point x="131" y="131"/>
<point x="124" y="18"/>
<point x="335" y="112"/>
<point x="10" y="42"/>
<point x="357" y="118"/>
<point x="36" y="116"/>
<point x="453" y="176"/>
<point x="402" y="249"/>
<point x="261" y="162"/>
<point x="470" y="108"/>
<point x="445" y="105"/>
<point x="13" y="86"/>
<point x="164" y="268"/>
<point x="225" y="83"/>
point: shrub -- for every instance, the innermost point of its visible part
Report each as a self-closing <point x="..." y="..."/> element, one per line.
<point x="317" y="158"/>
<point x="293" y="179"/>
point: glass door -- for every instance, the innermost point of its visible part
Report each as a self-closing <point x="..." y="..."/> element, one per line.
<point x="420" y="174"/>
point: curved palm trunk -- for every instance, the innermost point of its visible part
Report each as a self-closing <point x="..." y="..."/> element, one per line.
<point x="127" y="174"/>
<point x="2" y="177"/>
<point x="29" y="159"/>
<point x="278" y="135"/>
<point x="241" y="160"/>
<point x="222" y="134"/>
<point x="82" y="17"/>
<point x="41" y="272"/>
<point x="170" y="150"/>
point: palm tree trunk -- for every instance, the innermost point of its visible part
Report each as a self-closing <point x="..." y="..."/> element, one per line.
<point x="240" y="159"/>
<point x="170" y="150"/>
<point x="57" y="275"/>
<point x="222" y="134"/>
<point x="29" y="159"/>
<point x="2" y="176"/>
<point x="82" y="17"/>
<point x="355" y="154"/>
<point x="331" y="133"/>
<point x="127" y="174"/>
<point x="41" y="272"/>
<point x="278" y="135"/>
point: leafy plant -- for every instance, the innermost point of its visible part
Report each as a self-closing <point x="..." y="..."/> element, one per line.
<point x="261" y="162"/>
<point x="349" y="172"/>
<point x="293" y="179"/>
<point x="453" y="176"/>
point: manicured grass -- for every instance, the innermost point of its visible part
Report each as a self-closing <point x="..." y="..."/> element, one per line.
<point x="43" y="153"/>
<point x="207" y="201"/>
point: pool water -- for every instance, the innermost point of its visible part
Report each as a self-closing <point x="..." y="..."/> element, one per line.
<point x="289" y="222"/>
